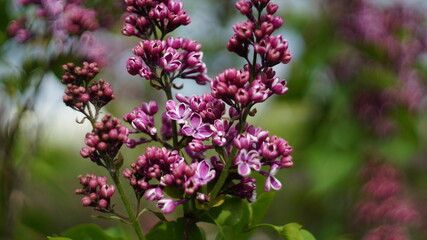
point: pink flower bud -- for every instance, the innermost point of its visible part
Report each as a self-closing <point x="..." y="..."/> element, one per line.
<point x="103" y="203"/>
<point x="86" y="201"/>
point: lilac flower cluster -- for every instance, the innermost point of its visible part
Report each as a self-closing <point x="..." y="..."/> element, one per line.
<point x="97" y="192"/>
<point x="256" y="33"/>
<point x="256" y="81"/>
<point x="382" y="205"/>
<point x="68" y="25"/>
<point x="159" y="168"/>
<point x="104" y="142"/>
<point x="68" y="17"/>
<point x="397" y="36"/>
<point x="257" y="149"/>
<point x="80" y="90"/>
<point x="173" y="57"/>
<point x="198" y="124"/>
<point x="145" y="15"/>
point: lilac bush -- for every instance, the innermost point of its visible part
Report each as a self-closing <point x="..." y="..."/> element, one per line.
<point x="205" y="155"/>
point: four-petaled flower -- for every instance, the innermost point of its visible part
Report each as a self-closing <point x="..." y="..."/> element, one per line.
<point x="178" y="112"/>
<point x="203" y="174"/>
<point x="246" y="160"/>
<point x="197" y="128"/>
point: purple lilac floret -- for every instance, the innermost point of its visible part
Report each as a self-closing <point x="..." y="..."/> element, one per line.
<point x="196" y="128"/>
<point x="97" y="192"/>
<point x="142" y="119"/>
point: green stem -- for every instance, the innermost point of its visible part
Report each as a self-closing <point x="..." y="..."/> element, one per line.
<point x="168" y="91"/>
<point x="228" y="160"/>
<point x="261" y="225"/>
<point x="134" y="221"/>
<point x="224" y="174"/>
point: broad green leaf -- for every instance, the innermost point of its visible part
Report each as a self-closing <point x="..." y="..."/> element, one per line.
<point x="260" y="207"/>
<point x="89" y="232"/>
<point x="239" y="220"/>
<point x="174" y="230"/>
<point x="229" y="213"/>
<point x="58" y="238"/>
<point x="159" y="215"/>
<point x="291" y="231"/>
<point x="307" y="235"/>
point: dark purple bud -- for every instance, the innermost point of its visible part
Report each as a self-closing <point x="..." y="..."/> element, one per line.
<point x="272" y="8"/>
<point x="150" y="108"/>
<point x="134" y="65"/>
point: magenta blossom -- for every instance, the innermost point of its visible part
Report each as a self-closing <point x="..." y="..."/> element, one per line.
<point x="272" y="181"/>
<point x="246" y="160"/>
<point x="170" y="61"/>
<point x="167" y="205"/>
<point x="178" y="112"/>
<point x="197" y="128"/>
<point x="153" y="194"/>
<point x="203" y="174"/>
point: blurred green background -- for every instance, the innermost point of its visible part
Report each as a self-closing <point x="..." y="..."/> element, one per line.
<point x="331" y="76"/>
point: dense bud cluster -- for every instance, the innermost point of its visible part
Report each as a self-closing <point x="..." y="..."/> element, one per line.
<point x="105" y="140"/>
<point x="97" y="192"/>
<point x="80" y="90"/>
<point x="179" y="56"/>
<point x="145" y="15"/>
<point x="235" y="88"/>
<point x="257" y="81"/>
<point x="257" y="34"/>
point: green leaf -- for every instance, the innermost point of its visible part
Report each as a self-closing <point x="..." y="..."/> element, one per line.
<point x="89" y="232"/>
<point x="174" y="230"/>
<point x="260" y="207"/>
<point x="232" y="219"/>
<point x="291" y="231"/>
<point x="228" y="213"/>
<point x="307" y="235"/>
<point x="58" y="238"/>
<point x="159" y="215"/>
